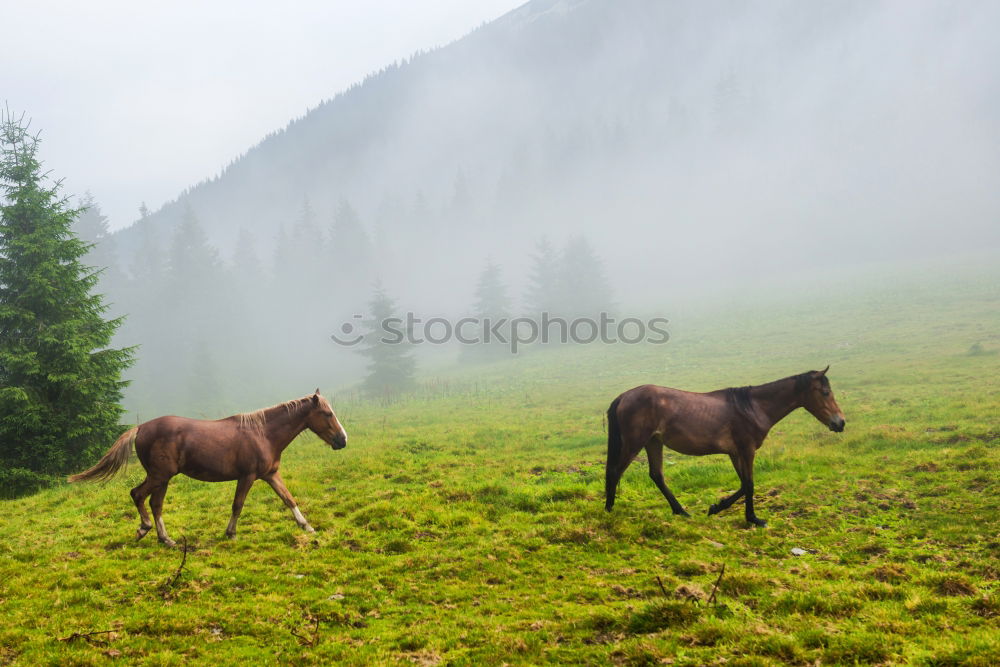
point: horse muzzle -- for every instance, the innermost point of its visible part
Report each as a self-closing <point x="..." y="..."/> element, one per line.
<point x="338" y="441"/>
<point x="837" y="424"/>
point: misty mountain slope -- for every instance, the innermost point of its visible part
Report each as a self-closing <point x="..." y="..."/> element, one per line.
<point x="717" y="137"/>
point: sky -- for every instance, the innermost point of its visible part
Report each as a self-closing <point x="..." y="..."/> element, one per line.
<point x="137" y="101"/>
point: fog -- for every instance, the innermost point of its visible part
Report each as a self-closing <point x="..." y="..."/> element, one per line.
<point x="694" y="149"/>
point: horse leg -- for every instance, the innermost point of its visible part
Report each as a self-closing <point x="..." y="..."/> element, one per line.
<point x="156" y="503"/>
<point x="726" y="502"/>
<point x="743" y="462"/>
<point x="139" y="495"/>
<point x="654" y="453"/>
<point x="279" y="487"/>
<point x="747" y="480"/>
<point x="242" y="489"/>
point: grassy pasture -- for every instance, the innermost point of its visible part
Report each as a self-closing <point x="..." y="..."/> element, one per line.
<point x="466" y="525"/>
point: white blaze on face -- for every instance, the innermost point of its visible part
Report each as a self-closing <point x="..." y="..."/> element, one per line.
<point x="340" y="427"/>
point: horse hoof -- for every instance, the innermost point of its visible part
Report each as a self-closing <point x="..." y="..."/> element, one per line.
<point x="230" y="536"/>
<point x="682" y="513"/>
<point x="712" y="509"/>
<point x="141" y="532"/>
<point x="168" y="542"/>
<point x="760" y="523"/>
<point x="308" y="528"/>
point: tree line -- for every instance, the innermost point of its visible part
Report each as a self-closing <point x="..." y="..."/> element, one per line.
<point x="190" y="332"/>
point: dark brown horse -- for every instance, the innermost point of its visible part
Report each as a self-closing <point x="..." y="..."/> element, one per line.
<point x="731" y="421"/>
<point x="245" y="447"/>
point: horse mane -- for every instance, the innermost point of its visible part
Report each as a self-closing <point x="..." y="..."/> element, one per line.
<point x="254" y="421"/>
<point x="739" y="398"/>
<point x="802" y="381"/>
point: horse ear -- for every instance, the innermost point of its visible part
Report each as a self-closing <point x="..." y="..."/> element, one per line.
<point x="315" y="398"/>
<point x="317" y="388"/>
<point x="823" y="372"/>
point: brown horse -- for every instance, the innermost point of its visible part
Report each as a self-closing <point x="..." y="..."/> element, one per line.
<point x="731" y="421"/>
<point x="245" y="447"/>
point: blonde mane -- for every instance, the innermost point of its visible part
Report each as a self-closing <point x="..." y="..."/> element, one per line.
<point x="254" y="421"/>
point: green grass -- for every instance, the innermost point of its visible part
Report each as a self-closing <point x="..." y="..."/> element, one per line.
<point x="466" y="525"/>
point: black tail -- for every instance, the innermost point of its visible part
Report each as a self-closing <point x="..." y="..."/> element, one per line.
<point x="611" y="471"/>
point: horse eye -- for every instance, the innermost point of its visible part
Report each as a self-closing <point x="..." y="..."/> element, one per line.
<point x="826" y="392"/>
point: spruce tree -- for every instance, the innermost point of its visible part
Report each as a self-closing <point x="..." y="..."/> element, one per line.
<point x="194" y="265"/>
<point x="145" y="295"/>
<point x="148" y="265"/>
<point x="91" y="227"/>
<point x="354" y="258"/>
<point x="492" y="306"/>
<point x="248" y="270"/>
<point x="197" y="286"/>
<point x="311" y="264"/>
<point x="542" y="293"/>
<point x="60" y="382"/>
<point x="584" y="290"/>
<point x="391" y="367"/>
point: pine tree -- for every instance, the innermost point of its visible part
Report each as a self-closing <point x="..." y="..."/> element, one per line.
<point x="282" y="257"/>
<point x="491" y="294"/>
<point x="91" y="227"/>
<point x="196" y="288"/>
<point x="60" y="383"/>
<point x="144" y="294"/>
<point x="307" y="242"/>
<point x="248" y="270"/>
<point x="492" y="306"/>
<point x="542" y="293"/>
<point x="148" y="266"/>
<point x="204" y="391"/>
<point x="391" y="367"/>
<point x="584" y="290"/>
<point x="355" y="258"/>
<point x="194" y="263"/>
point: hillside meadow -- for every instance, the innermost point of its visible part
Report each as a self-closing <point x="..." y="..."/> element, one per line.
<point x="465" y="525"/>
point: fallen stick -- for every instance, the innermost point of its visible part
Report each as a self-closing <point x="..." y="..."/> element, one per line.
<point x="660" y="582"/>
<point x="88" y="636"/>
<point x="167" y="585"/>
<point x="711" y="598"/>
<point x="315" y="638"/>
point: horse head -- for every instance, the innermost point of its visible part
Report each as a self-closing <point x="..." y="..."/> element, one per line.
<point x="819" y="401"/>
<point x="324" y="423"/>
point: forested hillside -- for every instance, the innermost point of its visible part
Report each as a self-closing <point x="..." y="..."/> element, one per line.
<point x="694" y="146"/>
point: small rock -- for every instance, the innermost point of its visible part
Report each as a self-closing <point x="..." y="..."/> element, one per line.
<point x="798" y="552"/>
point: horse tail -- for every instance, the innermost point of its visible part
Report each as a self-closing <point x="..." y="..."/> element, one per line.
<point x="614" y="433"/>
<point x="115" y="458"/>
<point x="611" y="471"/>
